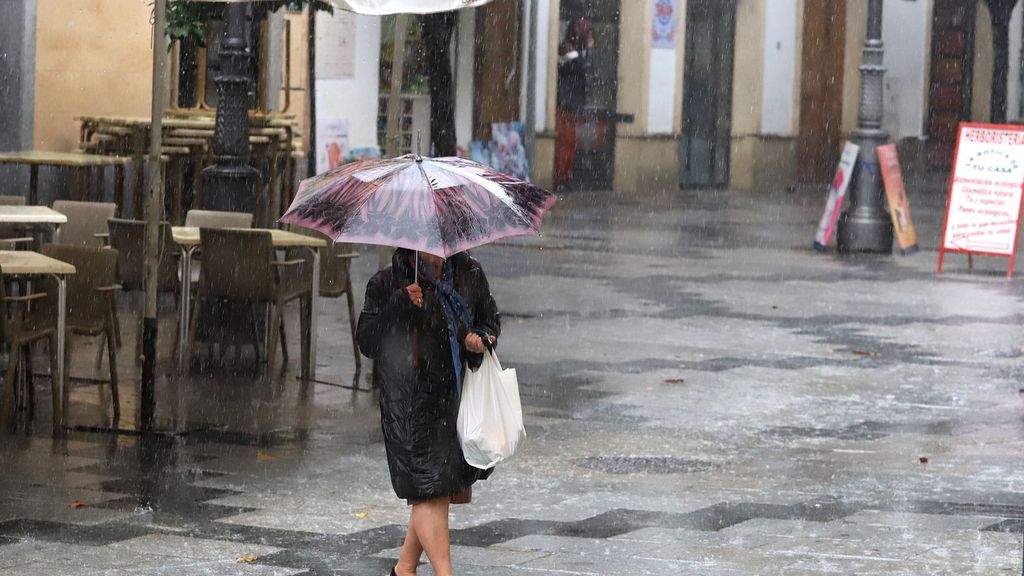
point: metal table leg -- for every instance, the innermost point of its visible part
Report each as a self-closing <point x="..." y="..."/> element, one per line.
<point x="314" y="307"/>
<point x="184" y="314"/>
<point x="62" y="311"/>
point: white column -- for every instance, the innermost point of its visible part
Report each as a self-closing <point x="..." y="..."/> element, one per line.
<point x="543" y="19"/>
<point x="465" y="54"/>
<point x="353" y="93"/>
<point x="1015" y="80"/>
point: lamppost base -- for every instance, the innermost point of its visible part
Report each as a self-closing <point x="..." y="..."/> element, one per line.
<point x="232" y="188"/>
<point x="866" y="235"/>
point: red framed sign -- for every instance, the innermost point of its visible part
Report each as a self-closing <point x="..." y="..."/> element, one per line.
<point x="985" y="193"/>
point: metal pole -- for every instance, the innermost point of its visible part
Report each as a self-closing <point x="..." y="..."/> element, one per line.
<point x="154" y="208"/>
<point x="529" y="115"/>
<point x="231" y="184"/>
<point x="392" y="131"/>
<point x="865" y="226"/>
<point x="311" y="52"/>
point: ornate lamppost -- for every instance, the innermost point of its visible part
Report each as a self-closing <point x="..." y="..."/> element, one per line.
<point x="865" y="226"/>
<point x="231" y="184"/>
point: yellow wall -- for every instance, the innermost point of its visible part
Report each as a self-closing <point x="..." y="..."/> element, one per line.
<point x="984" y="63"/>
<point x="634" y="64"/>
<point x="92" y="57"/>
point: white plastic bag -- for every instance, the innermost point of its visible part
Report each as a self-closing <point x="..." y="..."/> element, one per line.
<point x="490" y="421"/>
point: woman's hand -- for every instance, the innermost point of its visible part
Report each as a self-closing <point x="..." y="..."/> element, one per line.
<point x="415" y="294"/>
<point x="474" y="343"/>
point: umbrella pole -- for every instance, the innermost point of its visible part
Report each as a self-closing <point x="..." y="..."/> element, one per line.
<point x="154" y="206"/>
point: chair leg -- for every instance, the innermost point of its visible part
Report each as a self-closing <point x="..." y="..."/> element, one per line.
<point x="58" y="404"/>
<point x="272" y="345"/>
<point x="305" y="314"/>
<point x="112" y="360"/>
<point x="10" y="380"/>
<point x="30" y="385"/>
<point x="193" y="326"/>
<point x="352" y="328"/>
<point x="284" y="344"/>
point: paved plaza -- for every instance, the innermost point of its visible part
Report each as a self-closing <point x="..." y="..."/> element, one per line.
<point x="704" y="395"/>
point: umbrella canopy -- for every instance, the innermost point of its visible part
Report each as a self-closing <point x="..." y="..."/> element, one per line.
<point x="383" y="7"/>
<point x="441" y="206"/>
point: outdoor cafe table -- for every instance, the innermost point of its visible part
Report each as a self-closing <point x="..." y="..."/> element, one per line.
<point x="81" y="163"/>
<point x="32" y="217"/>
<point x="27" y="263"/>
<point x="187" y="239"/>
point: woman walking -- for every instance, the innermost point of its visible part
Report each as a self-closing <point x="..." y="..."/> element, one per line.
<point x="420" y="327"/>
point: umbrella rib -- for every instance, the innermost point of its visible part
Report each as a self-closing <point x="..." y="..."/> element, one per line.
<point x="433" y="204"/>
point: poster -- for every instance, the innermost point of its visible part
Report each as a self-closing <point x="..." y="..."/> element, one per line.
<point x="331" y="143"/>
<point x="896" y="194"/>
<point x="985" y="191"/>
<point x="836" y="196"/>
<point x="509" y="154"/>
<point x="664" y="24"/>
<point x="336" y="46"/>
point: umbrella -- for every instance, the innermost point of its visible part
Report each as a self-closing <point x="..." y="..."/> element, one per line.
<point x="441" y="206"/>
<point x="382" y="7"/>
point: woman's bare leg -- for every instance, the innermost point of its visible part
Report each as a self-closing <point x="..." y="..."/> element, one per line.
<point x="409" y="559"/>
<point x="429" y="520"/>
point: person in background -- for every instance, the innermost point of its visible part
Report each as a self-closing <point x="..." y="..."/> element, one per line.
<point x="573" y="58"/>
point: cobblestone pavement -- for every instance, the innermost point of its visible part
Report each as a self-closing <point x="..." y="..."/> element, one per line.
<point x="704" y="395"/>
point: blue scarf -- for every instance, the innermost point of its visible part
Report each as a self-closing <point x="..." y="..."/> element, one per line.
<point x="455" y="309"/>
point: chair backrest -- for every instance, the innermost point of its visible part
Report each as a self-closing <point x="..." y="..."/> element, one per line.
<point x="85" y="221"/>
<point x="94" y="268"/>
<point x="11" y="230"/>
<point x="218" y="219"/>
<point x="128" y="237"/>
<point x="335" y="279"/>
<point x="237" y="265"/>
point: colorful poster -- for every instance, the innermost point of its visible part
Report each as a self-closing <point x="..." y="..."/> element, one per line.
<point x="509" y="151"/>
<point x="896" y="193"/>
<point x="836" y="196"/>
<point x="332" y="143"/>
<point x="664" y="24"/>
<point x="985" y="192"/>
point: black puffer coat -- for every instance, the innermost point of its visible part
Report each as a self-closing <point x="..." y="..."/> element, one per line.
<point x="419" y="402"/>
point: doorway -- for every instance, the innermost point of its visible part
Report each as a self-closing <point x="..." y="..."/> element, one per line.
<point x="707" y="93"/>
<point x="585" y="144"/>
<point x="821" y="89"/>
<point x="949" y="94"/>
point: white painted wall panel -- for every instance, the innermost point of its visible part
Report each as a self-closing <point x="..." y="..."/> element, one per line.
<point x="355" y="98"/>
<point x="779" y="98"/>
<point x="661" y="96"/>
<point x="907" y="45"/>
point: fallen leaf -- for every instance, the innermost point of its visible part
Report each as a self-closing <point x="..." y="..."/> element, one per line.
<point x="362" y="515"/>
<point x="675" y="381"/>
<point x="264" y="457"/>
<point x="865" y="353"/>
<point x="923" y="459"/>
<point x="247" y="559"/>
<point x="78" y="504"/>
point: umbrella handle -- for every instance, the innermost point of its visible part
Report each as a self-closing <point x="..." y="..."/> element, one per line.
<point x="416" y="269"/>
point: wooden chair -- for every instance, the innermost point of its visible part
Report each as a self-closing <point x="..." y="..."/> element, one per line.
<point x="91" y="300"/>
<point x="87" y="222"/>
<point x="239" y="266"/>
<point x="20" y="331"/>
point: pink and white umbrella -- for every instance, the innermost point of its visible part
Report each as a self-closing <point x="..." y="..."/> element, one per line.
<point x="441" y="206"/>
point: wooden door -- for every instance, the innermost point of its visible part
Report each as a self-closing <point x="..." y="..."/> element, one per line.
<point x="821" y="89"/>
<point x="949" y="96"/>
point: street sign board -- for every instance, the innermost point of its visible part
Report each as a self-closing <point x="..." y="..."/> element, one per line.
<point x="985" y="192"/>
<point x="836" y="196"/>
<point x="896" y="194"/>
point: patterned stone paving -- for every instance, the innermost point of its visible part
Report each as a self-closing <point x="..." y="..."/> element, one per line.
<point x="704" y="395"/>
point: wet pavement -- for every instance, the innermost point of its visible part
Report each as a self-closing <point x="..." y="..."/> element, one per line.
<point x="703" y="394"/>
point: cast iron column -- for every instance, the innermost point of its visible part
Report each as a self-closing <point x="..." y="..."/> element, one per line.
<point x="865" y="226"/>
<point x="231" y="184"/>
